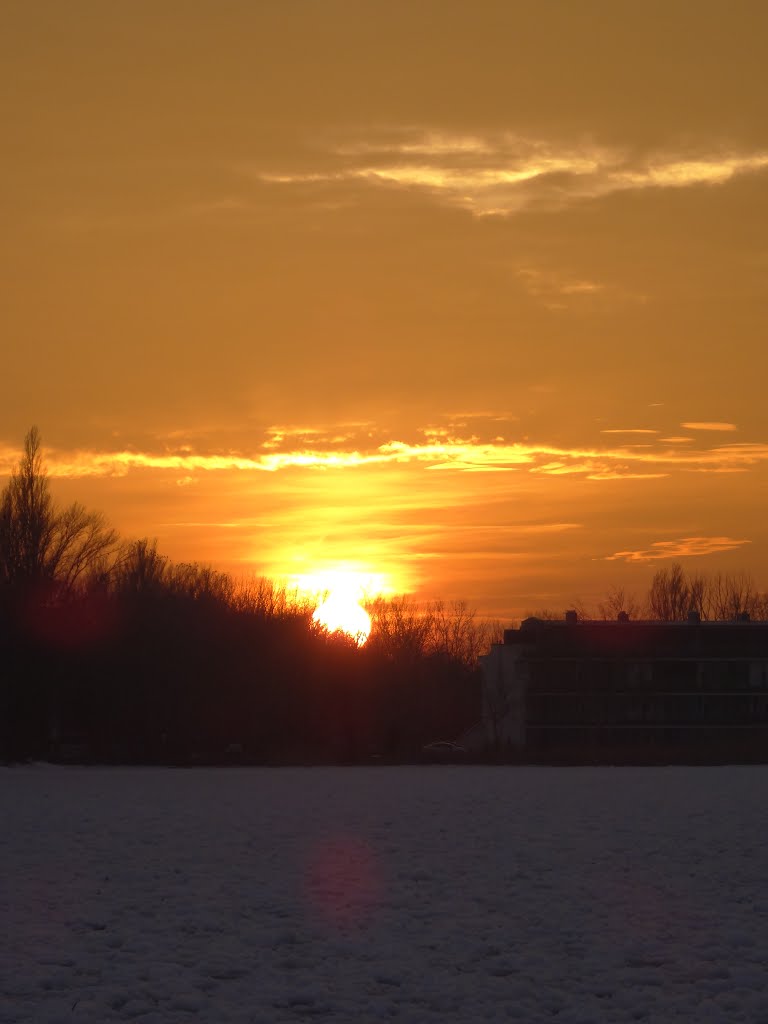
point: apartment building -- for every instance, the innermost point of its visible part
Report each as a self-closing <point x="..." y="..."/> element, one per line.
<point x="593" y="687"/>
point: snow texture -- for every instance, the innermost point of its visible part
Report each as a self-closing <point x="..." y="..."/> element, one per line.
<point x="472" y="894"/>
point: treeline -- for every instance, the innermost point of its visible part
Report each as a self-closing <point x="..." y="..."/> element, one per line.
<point x="110" y="652"/>
<point x="674" y="594"/>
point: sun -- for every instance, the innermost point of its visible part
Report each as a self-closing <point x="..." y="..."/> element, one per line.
<point x="339" y="593"/>
<point x="341" y="612"/>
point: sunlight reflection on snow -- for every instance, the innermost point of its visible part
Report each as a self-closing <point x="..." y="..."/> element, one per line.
<point x="343" y="882"/>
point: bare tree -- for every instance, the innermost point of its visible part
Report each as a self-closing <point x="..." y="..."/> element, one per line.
<point x="404" y="629"/>
<point x="761" y="606"/>
<point x="264" y="597"/>
<point x="698" y="594"/>
<point x="456" y="632"/>
<point x="722" y="597"/>
<point x="399" y="628"/>
<point x="39" y="543"/>
<point x="731" y="594"/>
<point x="26" y="516"/>
<point x="617" y="600"/>
<point x="140" y="568"/>
<point x="669" y="598"/>
<point x="200" y="582"/>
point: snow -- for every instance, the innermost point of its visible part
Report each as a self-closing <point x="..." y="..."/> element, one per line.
<point x="406" y="894"/>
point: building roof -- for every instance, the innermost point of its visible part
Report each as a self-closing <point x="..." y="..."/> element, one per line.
<point x="572" y="637"/>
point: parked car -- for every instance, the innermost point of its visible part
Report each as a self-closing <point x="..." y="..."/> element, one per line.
<point x="443" y="750"/>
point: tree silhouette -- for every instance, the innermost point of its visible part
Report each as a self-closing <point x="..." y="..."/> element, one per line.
<point x="39" y="543"/>
<point x="140" y="568"/>
<point x="616" y="601"/>
<point x="669" y="598"/>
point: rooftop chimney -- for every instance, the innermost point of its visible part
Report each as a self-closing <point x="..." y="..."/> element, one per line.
<point x="571" y="617"/>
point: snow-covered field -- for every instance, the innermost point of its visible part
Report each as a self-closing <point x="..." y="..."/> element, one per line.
<point x="407" y="894"/>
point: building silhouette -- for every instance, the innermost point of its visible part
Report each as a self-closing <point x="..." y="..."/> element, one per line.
<point x="628" y="689"/>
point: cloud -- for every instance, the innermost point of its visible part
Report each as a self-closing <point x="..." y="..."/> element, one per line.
<point x="421" y="144"/>
<point x="353" y="446"/>
<point x="684" y="547"/>
<point x="618" y="474"/>
<point x="628" y="430"/>
<point x="710" y="171"/>
<point x="504" y="173"/>
<point x="709" y="425"/>
<point x="563" y="290"/>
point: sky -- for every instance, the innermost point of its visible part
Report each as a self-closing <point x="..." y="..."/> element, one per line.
<point x="468" y="298"/>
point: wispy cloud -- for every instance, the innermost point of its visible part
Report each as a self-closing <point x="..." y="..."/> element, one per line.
<point x="628" y="430"/>
<point x="504" y="173"/>
<point x="709" y="425"/>
<point x="559" y="289"/>
<point x="437" y="449"/>
<point x="420" y="143"/>
<point x="683" y="547"/>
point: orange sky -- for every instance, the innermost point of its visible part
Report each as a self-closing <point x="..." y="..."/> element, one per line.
<point x="472" y="296"/>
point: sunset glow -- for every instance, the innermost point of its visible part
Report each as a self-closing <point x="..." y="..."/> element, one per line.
<point x="299" y="316"/>
<point x="341" y="613"/>
<point x="353" y="583"/>
<point x="340" y="610"/>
